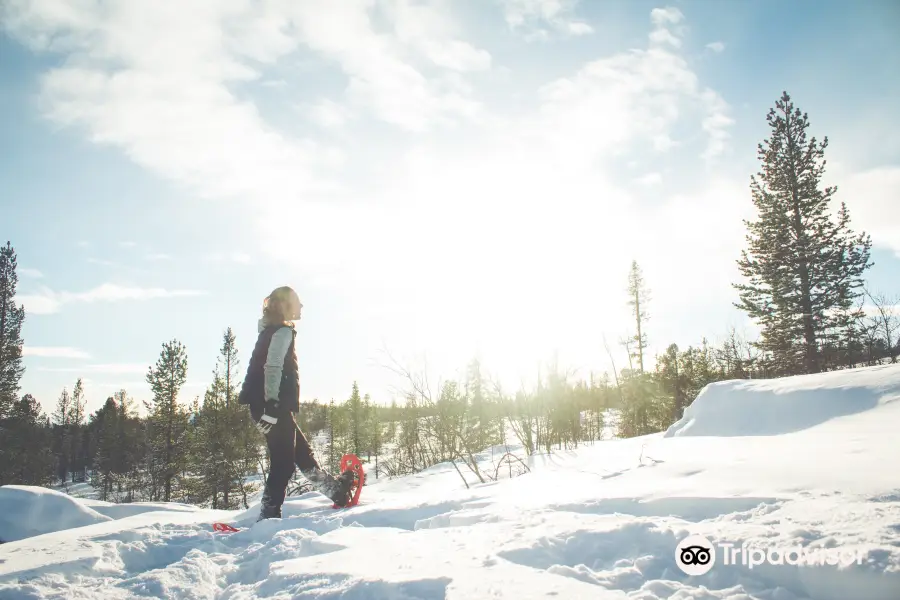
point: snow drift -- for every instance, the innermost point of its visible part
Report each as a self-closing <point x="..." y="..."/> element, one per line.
<point x="777" y="406"/>
<point x="601" y="521"/>
<point x="27" y="511"/>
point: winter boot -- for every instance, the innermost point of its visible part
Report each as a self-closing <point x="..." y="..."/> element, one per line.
<point x="267" y="510"/>
<point x="337" y="489"/>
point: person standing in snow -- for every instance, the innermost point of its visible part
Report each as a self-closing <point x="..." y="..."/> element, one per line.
<point x="271" y="389"/>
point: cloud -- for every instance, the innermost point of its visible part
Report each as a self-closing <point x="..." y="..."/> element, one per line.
<point x="538" y="18"/>
<point x="241" y="258"/>
<point x="327" y="113"/>
<point x="102" y="261"/>
<point x="167" y="101"/>
<point x="871" y="197"/>
<point x="158" y="256"/>
<point x="128" y="244"/>
<point x="99" y="368"/>
<point x="32" y="273"/>
<point x="662" y="19"/>
<point x="48" y="302"/>
<point x="54" y="352"/>
<point x="716" y="47"/>
<point x="632" y="97"/>
<point x="649" y="179"/>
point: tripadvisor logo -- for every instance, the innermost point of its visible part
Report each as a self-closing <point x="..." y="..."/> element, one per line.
<point x="696" y="555"/>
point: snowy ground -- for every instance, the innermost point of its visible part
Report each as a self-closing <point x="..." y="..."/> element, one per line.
<point x="808" y="461"/>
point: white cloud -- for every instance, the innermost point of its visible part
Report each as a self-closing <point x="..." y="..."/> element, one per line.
<point x="649" y="179"/>
<point x="102" y="261"/>
<point x="716" y="47"/>
<point x="167" y="102"/>
<point x="637" y="96"/>
<point x="424" y="27"/>
<point x="872" y="199"/>
<point x="32" y="273"/>
<point x="539" y="18"/>
<point x="118" y="368"/>
<point x="661" y="17"/>
<point x="327" y="113"/>
<point x="241" y="258"/>
<point x="48" y="302"/>
<point x="128" y="244"/>
<point x="54" y="352"/>
<point x="158" y="256"/>
<point x="891" y="311"/>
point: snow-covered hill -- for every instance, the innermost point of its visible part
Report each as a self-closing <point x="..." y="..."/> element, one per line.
<point x="809" y="462"/>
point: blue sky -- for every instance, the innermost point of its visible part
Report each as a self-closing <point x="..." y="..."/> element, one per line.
<point x="435" y="178"/>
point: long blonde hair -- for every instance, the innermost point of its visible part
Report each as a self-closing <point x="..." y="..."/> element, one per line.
<point x="282" y="306"/>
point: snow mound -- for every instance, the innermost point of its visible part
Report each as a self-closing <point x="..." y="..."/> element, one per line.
<point x="124" y="510"/>
<point x="777" y="406"/>
<point x="27" y="511"/>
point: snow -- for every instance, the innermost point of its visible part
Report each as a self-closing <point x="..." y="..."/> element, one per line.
<point x="27" y="511"/>
<point x="806" y="461"/>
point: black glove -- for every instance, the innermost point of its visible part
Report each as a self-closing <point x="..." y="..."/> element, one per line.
<point x="268" y="418"/>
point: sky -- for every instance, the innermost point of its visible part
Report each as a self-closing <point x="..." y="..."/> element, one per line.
<point x="438" y="180"/>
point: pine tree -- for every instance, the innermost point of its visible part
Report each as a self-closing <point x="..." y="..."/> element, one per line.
<point x="333" y="428"/>
<point x="672" y="381"/>
<point x="355" y="418"/>
<point x="105" y="427"/>
<point x="131" y="448"/>
<point x="478" y="430"/>
<point x="638" y="297"/>
<point x="25" y="438"/>
<point x="61" y="435"/>
<point x="240" y="447"/>
<point x="11" y="320"/>
<point x="76" y="438"/>
<point x="376" y="437"/>
<point x="804" y="266"/>
<point x="167" y="418"/>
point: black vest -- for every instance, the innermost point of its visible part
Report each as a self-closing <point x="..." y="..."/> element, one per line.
<point x="253" y="389"/>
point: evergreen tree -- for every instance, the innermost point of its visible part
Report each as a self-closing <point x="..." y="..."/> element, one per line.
<point x="672" y="381"/>
<point x="11" y="320"/>
<point x="167" y="418"/>
<point x="375" y="434"/>
<point x="104" y="429"/>
<point x="804" y="266"/>
<point x="131" y="444"/>
<point x="355" y="420"/>
<point x="391" y="434"/>
<point x="638" y="297"/>
<point x="477" y="432"/>
<point x="25" y="438"/>
<point x="76" y="437"/>
<point x="241" y="450"/>
<point x="61" y="435"/>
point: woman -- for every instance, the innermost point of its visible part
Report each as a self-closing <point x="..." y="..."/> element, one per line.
<point x="272" y="391"/>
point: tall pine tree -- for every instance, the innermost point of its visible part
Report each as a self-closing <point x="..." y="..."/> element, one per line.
<point x="168" y="419"/>
<point x="804" y="265"/>
<point x="11" y="319"/>
<point x="638" y="297"/>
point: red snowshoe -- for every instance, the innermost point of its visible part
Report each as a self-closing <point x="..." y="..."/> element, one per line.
<point x="351" y="462"/>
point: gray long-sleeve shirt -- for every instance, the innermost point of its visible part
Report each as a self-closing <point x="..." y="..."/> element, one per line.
<point x="278" y="349"/>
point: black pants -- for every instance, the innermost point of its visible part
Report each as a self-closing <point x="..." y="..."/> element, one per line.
<point x="287" y="447"/>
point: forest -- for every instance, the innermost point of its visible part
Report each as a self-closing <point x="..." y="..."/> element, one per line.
<point x="802" y="282"/>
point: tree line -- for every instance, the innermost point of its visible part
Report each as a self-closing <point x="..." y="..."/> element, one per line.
<point x="803" y="284"/>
